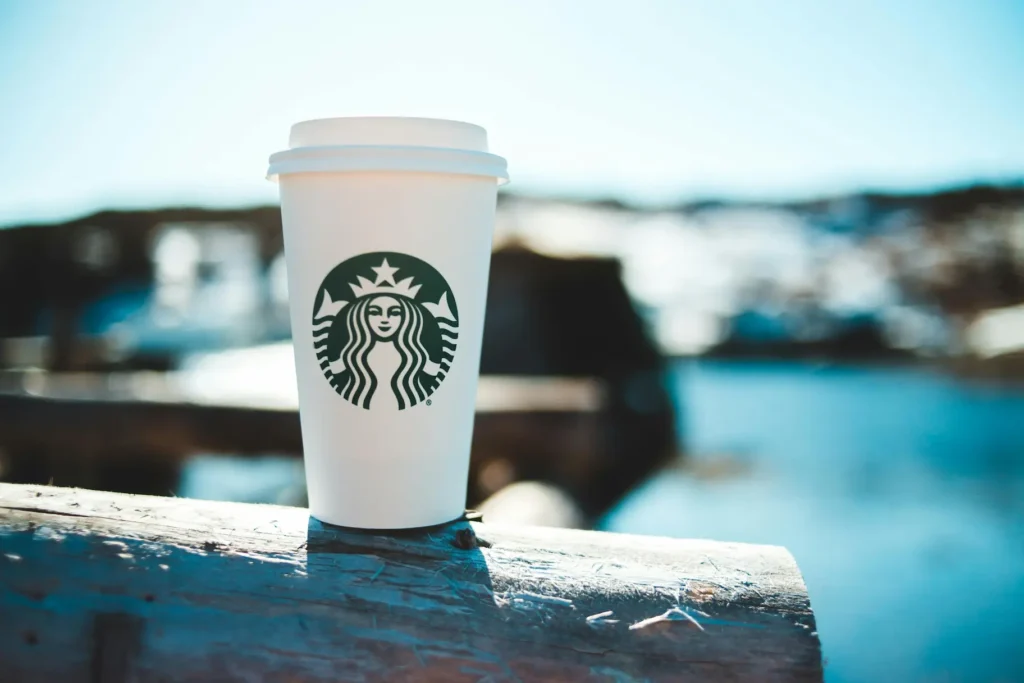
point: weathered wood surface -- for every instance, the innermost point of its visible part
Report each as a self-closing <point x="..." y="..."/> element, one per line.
<point x="108" y="587"/>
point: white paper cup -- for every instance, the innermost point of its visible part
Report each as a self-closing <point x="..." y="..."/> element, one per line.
<point x="388" y="225"/>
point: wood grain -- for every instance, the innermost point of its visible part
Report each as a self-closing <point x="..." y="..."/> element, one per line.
<point x="108" y="587"/>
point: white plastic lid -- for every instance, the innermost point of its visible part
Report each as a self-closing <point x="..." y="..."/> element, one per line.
<point x="388" y="143"/>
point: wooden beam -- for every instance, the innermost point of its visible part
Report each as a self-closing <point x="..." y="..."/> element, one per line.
<point x="220" y="387"/>
<point x="99" y="586"/>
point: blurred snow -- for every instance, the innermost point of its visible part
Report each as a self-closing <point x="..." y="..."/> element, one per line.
<point x="777" y="272"/>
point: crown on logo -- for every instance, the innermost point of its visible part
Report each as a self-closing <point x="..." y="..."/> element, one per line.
<point x="384" y="283"/>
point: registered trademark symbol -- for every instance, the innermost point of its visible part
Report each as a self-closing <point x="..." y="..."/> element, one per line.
<point x="429" y="402"/>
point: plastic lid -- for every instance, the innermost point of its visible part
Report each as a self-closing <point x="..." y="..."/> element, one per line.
<point x="388" y="144"/>
<point x="389" y="131"/>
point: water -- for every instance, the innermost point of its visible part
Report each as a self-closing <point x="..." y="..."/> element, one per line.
<point x="899" y="492"/>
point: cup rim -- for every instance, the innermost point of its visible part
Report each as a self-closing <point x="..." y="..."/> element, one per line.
<point x="400" y="158"/>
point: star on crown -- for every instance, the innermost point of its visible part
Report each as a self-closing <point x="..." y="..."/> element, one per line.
<point x="384" y="283"/>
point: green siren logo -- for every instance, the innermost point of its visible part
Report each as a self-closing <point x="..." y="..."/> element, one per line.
<point x="388" y="341"/>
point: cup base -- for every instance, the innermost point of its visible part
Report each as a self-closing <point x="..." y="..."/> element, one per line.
<point x="467" y="516"/>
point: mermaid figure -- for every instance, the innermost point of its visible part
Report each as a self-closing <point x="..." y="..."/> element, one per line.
<point x="383" y="358"/>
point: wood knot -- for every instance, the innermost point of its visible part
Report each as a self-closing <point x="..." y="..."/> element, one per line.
<point x="466" y="539"/>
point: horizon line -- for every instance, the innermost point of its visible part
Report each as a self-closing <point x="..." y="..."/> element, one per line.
<point x="607" y="200"/>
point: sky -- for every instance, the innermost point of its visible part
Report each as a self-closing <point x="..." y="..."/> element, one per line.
<point x="120" y="104"/>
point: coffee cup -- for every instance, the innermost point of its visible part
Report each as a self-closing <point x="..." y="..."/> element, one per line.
<point x="388" y="227"/>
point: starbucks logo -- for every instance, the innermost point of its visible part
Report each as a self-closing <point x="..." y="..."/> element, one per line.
<point x="385" y="327"/>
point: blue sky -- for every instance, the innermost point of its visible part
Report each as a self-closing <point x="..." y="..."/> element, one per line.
<point x="125" y="104"/>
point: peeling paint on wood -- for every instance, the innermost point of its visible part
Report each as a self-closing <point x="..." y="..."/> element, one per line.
<point x="114" y="587"/>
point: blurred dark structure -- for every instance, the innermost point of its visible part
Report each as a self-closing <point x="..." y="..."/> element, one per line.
<point x="547" y="318"/>
<point x="50" y="274"/>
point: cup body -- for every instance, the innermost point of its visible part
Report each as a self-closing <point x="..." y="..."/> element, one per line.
<point x="387" y="281"/>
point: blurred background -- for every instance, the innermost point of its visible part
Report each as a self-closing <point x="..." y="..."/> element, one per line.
<point x="798" y="228"/>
